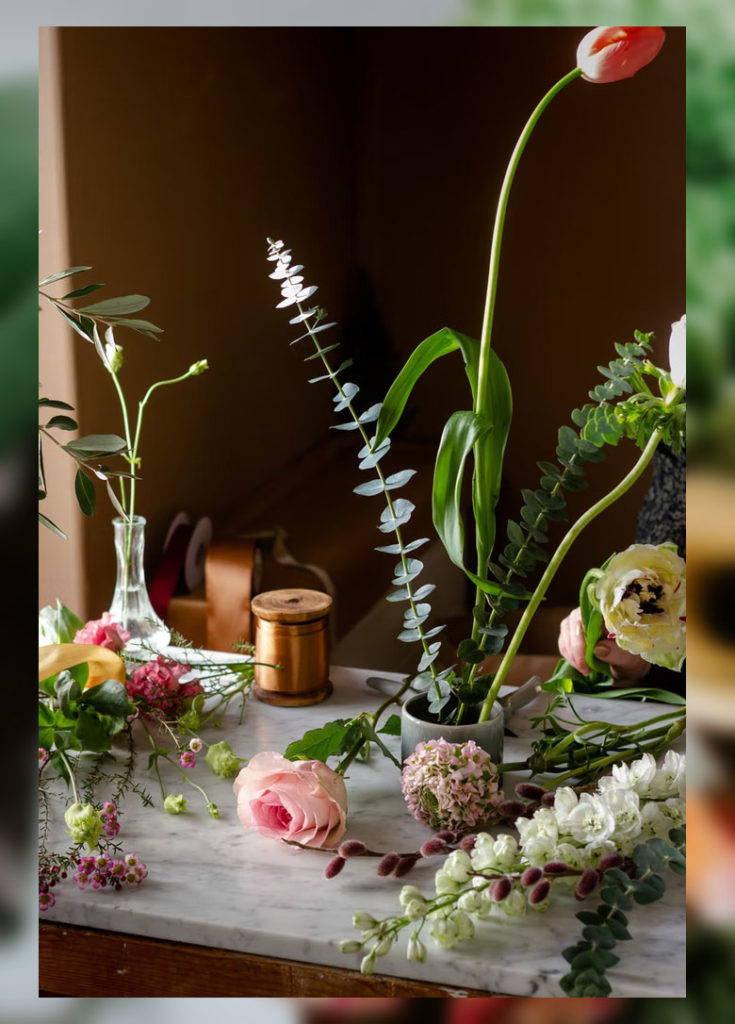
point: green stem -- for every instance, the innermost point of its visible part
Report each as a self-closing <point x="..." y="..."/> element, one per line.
<point x="63" y="757"/>
<point x="483" y="398"/>
<point x="584" y="520"/>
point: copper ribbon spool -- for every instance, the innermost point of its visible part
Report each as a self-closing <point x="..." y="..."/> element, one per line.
<point x="292" y="631"/>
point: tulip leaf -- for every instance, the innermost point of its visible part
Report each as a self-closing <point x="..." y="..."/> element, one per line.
<point x="461" y="432"/>
<point x="489" y="453"/>
<point x="429" y="350"/>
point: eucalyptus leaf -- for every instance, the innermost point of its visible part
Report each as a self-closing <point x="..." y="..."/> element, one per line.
<point x="397" y="549"/>
<point x="369" y="488"/>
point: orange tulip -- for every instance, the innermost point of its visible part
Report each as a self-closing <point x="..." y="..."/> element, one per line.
<point x="608" y="54"/>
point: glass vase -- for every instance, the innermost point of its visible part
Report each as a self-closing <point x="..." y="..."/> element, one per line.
<point x="131" y="606"/>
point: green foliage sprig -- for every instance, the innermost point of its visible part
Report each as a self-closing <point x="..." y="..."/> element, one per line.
<point x="92" y="322"/>
<point x="605" y="927"/>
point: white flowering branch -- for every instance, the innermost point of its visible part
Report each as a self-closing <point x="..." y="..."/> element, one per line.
<point x="614" y="840"/>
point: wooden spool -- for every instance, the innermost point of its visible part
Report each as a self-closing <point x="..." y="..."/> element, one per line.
<point x="291" y="630"/>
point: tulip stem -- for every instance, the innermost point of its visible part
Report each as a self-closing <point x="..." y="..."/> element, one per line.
<point x="483" y="397"/>
<point x="574" y="531"/>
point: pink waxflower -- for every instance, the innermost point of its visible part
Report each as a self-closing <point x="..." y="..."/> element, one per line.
<point x="104" y="632"/>
<point x="611" y="53"/>
<point x="187" y="760"/>
<point x="304" y="801"/>
<point x="450" y="785"/>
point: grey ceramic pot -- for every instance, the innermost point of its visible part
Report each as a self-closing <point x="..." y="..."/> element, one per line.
<point x="416" y="728"/>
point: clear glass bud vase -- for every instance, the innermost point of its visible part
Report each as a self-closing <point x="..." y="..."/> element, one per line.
<point x="131" y="606"/>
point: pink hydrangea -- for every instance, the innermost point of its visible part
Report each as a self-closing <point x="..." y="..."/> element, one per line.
<point x="157" y="683"/>
<point x="450" y="785"/>
<point x="104" y="632"/>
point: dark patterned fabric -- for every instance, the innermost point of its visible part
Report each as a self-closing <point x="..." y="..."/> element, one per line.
<point x="663" y="513"/>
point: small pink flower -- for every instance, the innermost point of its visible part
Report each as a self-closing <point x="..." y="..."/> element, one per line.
<point x="195" y="745"/>
<point x="187" y="759"/>
<point x="157" y="683"/>
<point x="104" y="632"/>
<point x="303" y="801"/>
<point x="43" y="756"/>
<point x="611" y="53"/>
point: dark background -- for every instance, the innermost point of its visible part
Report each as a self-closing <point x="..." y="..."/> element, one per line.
<point x="377" y="154"/>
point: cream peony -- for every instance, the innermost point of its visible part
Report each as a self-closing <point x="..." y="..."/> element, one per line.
<point x="642" y="597"/>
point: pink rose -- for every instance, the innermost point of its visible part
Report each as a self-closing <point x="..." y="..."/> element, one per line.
<point x="301" y="800"/>
<point x="608" y="54"/>
<point x="103" y="632"/>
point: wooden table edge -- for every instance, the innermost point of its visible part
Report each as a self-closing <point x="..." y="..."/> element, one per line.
<point x="88" y="962"/>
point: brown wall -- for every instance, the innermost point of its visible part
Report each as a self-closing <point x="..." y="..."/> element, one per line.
<point x="377" y="154"/>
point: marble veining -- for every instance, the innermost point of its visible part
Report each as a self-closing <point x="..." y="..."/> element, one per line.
<point x="215" y="884"/>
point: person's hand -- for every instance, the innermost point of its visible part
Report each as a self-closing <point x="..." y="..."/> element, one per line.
<point x="625" y="668"/>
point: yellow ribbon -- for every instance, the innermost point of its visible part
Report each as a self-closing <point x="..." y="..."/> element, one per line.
<point x="103" y="663"/>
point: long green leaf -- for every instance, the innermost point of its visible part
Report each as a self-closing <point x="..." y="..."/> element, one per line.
<point x="95" y="444"/>
<point x="430" y="349"/>
<point x="461" y="433"/>
<point x="119" y="306"/>
<point x="62" y="274"/>
<point x="84" y="490"/>
<point x="51" y="526"/>
<point x="489" y="452"/>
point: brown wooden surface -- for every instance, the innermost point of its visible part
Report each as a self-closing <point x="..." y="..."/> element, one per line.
<point x="86" y="962"/>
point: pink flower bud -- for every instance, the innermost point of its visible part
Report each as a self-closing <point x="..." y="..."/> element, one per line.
<point x="530" y="791"/>
<point x="351" y="848"/>
<point x="556" y="867"/>
<point x="403" y="866"/>
<point x="334" y="867"/>
<point x="448" y="837"/>
<point x="611" y="53"/>
<point x="388" y="864"/>
<point x="500" y="889"/>
<point x="433" y="846"/>
<point x="610" y="860"/>
<point x="586" y="884"/>
<point x="539" y="892"/>
<point x="468" y="843"/>
<point x="530" y="876"/>
<point x="512" y="809"/>
<point x="547" y="800"/>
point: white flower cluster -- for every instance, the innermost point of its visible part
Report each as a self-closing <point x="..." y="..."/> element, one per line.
<point x="636" y="802"/>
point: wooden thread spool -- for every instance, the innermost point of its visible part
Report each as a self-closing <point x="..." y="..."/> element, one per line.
<point x="291" y="630"/>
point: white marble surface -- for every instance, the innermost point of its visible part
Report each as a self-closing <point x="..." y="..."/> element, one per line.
<point x="216" y="884"/>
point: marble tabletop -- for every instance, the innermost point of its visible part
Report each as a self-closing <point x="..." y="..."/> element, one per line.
<point x="216" y="884"/>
